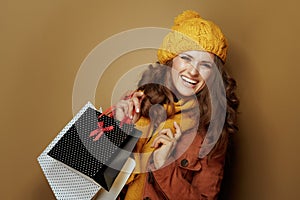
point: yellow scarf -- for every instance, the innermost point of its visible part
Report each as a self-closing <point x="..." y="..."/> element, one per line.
<point x="185" y="118"/>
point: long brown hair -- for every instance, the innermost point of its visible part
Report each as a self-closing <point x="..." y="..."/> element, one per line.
<point x="154" y="87"/>
<point x="153" y="83"/>
<point x="232" y="102"/>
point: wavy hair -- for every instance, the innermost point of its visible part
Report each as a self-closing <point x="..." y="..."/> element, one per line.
<point x="232" y="103"/>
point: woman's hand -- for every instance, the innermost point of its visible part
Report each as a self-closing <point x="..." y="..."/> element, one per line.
<point x="129" y="107"/>
<point x="165" y="143"/>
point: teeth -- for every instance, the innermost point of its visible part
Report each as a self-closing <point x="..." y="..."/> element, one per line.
<point x="189" y="80"/>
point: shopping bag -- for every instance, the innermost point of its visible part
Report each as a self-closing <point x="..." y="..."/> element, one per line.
<point x="95" y="147"/>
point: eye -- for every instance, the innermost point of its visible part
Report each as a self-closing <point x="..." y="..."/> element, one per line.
<point x="184" y="57"/>
<point x="207" y="65"/>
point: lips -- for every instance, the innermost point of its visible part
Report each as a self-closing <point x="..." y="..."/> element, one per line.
<point x="189" y="80"/>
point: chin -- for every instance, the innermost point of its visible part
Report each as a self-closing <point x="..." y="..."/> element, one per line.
<point x="186" y="93"/>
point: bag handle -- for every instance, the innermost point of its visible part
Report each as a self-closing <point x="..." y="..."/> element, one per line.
<point x="110" y="113"/>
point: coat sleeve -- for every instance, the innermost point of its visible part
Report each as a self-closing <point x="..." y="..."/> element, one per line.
<point x="178" y="180"/>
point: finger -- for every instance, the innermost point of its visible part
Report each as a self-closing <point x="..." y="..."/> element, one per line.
<point x="167" y="132"/>
<point x="177" y="131"/>
<point x="136" y="103"/>
<point x="123" y="105"/>
<point x="135" y="118"/>
<point x="137" y="98"/>
<point x="161" y="140"/>
<point x="130" y="108"/>
<point x="138" y="94"/>
<point x="121" y="110"/>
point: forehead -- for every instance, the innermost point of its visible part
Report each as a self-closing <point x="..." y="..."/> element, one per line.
<point x="199" y="55"/>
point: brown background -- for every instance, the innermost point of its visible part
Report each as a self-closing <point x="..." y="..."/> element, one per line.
<point x="43" y="44"/>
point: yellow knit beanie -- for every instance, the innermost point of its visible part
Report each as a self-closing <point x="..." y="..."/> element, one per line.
<point x="191" y="32"/>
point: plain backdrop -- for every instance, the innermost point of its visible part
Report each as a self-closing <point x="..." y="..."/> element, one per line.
<point x="43" y="44"/>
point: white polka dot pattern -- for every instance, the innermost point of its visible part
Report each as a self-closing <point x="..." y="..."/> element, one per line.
<point x="65" y="183"/>
<point x="79" y="152"/>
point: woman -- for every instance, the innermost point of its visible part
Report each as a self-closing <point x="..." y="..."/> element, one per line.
<point x="179" y="106"/>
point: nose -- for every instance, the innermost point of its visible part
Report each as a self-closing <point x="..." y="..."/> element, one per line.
<point x="193" y="70"/>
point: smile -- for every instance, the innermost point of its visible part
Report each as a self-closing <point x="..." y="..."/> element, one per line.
<point x="188" y="80"/>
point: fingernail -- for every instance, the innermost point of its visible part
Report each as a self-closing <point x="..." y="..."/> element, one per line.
<point x="137" y="110"/>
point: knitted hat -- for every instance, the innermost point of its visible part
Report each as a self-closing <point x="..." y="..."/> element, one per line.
<point x="191" y="32"/>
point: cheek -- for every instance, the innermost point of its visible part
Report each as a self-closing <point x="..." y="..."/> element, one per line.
<point x="174" y="76"/>
<point x="205" y="73"/>
<point x="175" y="69"/>
<point x="177" y="64"/>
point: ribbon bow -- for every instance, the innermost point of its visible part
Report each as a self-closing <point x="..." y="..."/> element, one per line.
<point x="100" y="130"/>
<point x="109" y="112"/>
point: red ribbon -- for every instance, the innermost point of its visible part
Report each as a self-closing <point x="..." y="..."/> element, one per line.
<point x="109" y="112"/>
<point x="100" y="131"/>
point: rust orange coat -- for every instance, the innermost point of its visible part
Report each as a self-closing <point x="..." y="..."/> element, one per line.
<point x="187" y="177"/>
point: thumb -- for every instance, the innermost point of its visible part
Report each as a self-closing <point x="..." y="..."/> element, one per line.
<point x="177" y="131"/>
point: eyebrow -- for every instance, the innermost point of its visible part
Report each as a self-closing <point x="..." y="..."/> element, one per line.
<point x="188" y="55"/>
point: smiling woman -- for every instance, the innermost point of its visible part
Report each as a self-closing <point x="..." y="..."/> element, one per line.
<point x="178" y="100"/>
<point x="191" y="69"/>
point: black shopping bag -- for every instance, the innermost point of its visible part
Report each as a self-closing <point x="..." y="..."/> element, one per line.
<point x="96" y="146"/>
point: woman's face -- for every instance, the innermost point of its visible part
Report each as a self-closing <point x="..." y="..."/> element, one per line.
<point x="190" y="70"/>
